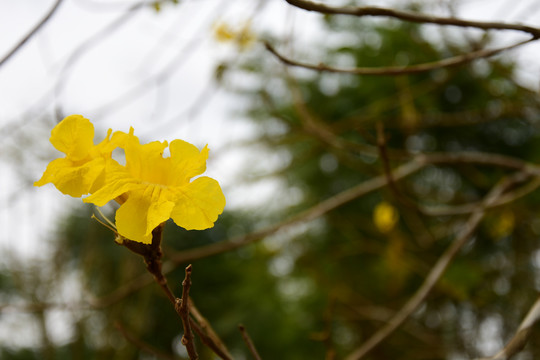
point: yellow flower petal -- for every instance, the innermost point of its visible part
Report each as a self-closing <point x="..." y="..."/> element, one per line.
<point x="142" y="212"/>
<point x="198" y="204"/>
<point x="187" y="161"/>
<point x="146" y="162"/>
<point x="117" y="181"/>
<point x="72" y="178"/>
<point x="74" y="136"/>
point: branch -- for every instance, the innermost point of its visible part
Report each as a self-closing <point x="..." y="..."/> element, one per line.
<point x="355" y="192"/>
<point x="312" y="213"/>
<point x="521" y="336"/>
<point x="152" y="255"/>
<point x="182" y="308"/>
<point x="410" y="16"/>
<point x="398" y="70"/>
<point x="376" y="183"/>
<point x="141" y="344"/>
<point x="32" y="32"/>
<point x="207" y="334"/>
<point x="249" y="343"/>
<point x="437" y="270"/>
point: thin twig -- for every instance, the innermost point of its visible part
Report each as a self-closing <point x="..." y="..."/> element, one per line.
<point x="518" y="341"/>
<point x="373" y="184"/>
<point x="438" y="269"/>
<point x="410" y="16"/>
<point x="413" y="217"/>
<point x="398" y="70"/>
<point x="182" y="308"/>
<point x="152" y="255"/>
<point x="32" y="32"/>
<point x="207" y="333"/>
<point x="468" y="208"/>
<point x="249" y="342"/>
<point x="314" y="212"/>
<point x="141" y="344"/>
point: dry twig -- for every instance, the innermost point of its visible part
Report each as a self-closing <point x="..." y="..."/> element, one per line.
<point x="410" y="16"/>
<point x="518" y="341"/>
<point x="398" y="70"/>
<point x="141" y="344"/>
<point x="182" y="308"/>
<point x="438" y="269"/>
<point x="32" y="32"/>
<point x="249" y="342"/>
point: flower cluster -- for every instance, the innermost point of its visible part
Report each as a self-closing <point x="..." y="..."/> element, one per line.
<point x="150" y="188"/>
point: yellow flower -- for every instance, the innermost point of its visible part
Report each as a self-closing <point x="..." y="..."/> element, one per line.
<point x="243" y="38"/>
<point x="223" y="33"/>
<point x="385" y="217"/>
<point x="152" y="189"/>
<point x="80" y="171"/>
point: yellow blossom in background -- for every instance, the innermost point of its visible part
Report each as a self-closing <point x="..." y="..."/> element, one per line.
<point x="152" y="189"/>
<point x="385" y="217"/>
<point x="80" y="171"/>
<point x="223" y="32"/>
<point x="243" y="38"/>
<point x="503" y="224"/>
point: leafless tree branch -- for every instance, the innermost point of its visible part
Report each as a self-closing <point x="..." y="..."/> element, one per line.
<point x="249" y="342"/>
<point x="182" y="308"/>
<point x="398" y="70"/>
<point x="518" y="341"/>
<point x="437" y="270"/>
<point x="410" y="16"/>
<point x="141" y="344"/>
<point x="32" y="32"/>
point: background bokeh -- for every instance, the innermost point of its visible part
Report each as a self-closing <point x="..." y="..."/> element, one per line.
<point x="283" y="141"/>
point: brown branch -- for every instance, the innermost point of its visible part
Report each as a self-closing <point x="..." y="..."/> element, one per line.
<point x="376" y="183"/>
<point x="414" y="216"/>
<point x="410" y="16"/>
<point x="398" y="70"/>
<point x="437" y="270"/>
<point x="152" y="255"/>
<point x="141" y="344"/>
<point x="32" y="32"/>
<point x="208" y="336"/>
<point x="182" y="308"/>
<point x="249" y="342"/>
<point x="520" y="338"/>
<point x="470" y="207"/>
<point x="312" y="213"/>
<point x="355" y="192"/>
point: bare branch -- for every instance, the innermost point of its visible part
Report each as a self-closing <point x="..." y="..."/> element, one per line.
<point x="182" y="308"/>
<point x="410" y="16"/>
<point x="355" y="192"/>
<point x="207" y="334"/>
<point x="521" y="336"/>
<point x="307" y="215"/>
<point x="398" y="70"/>
<point x="141" y="344"/>
<point x="32" y="32"/>
<point x="249" y="343"/>
<point x="437" y="270"/>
